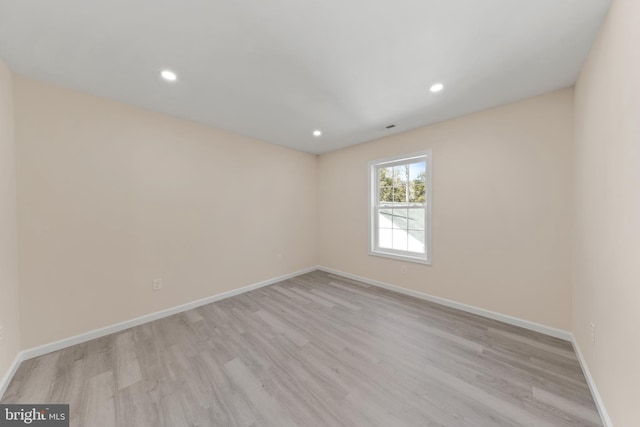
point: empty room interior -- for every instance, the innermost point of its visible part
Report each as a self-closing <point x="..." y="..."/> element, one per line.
<point x="320" y="213"/>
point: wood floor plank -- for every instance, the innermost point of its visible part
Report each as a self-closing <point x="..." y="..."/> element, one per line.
<point x="127" y="369"/>
<point x="99" y="407"/>
<point x="315" y="350"/>
<point x="266" y="405"/>
<point x="280" y="326"/>
<point x="336" y="300"/>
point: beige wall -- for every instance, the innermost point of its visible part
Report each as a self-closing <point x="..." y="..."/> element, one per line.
<point x="111" y="197"/>
<point x="606" y="266"/>
<point x="9" y="315"/>
<point x="501" y="209"/>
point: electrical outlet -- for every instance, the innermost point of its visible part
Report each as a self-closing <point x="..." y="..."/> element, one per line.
<point x="403" y="270"/>
<point x="157" y="285"/>
<point x="592" y="326"/>
<point x="279" y="257"/>
<point x="1" y="334"/>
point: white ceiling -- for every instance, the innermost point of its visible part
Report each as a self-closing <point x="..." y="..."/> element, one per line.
<point x="278" y="69"/>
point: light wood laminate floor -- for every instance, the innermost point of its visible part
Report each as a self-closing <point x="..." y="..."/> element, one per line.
<point x="316" y="350"/>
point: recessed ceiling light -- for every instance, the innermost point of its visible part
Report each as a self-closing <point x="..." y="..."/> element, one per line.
<point x="437" y="87"/>
<point x="169" y="75"/>
<point x="317" y="133"/>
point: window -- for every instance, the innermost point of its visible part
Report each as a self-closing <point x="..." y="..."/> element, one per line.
<point x="400" y="208"/>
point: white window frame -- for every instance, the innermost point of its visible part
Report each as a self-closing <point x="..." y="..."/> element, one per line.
<point x="374" y="208"/>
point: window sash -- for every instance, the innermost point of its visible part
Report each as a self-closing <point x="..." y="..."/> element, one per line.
<point x="407" y="230"/>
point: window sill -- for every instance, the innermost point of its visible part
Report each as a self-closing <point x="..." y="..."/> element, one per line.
<point x="400" y="257"/>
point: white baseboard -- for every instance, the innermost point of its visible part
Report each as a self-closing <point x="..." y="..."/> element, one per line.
<point x="8" y="376"/>
<point x="97" y="333"/>
<point x="606" y="420"/>
<point x="537" y="327"/>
